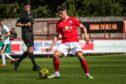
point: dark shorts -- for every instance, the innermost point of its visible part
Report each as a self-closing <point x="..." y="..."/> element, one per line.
<point x="4" y="47"/>
<point x="28" y="39"/>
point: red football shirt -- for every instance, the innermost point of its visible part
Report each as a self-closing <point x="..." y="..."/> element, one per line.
<point x="68" y="29"/>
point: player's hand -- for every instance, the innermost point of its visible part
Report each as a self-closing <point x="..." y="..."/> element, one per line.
<point x="87" y="40"/>
<point x="48" y="49"/>
<point x="28" y="24"/>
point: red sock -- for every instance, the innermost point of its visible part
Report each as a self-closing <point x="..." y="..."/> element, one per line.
<point x="56" y="64"/>
<point x="84" y="65"/>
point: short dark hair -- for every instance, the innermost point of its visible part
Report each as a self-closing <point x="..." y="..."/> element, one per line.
<point x="12" y="28"/>
<point x="61" y="8"/>
<point x="1" y="19"/>
<point x="26" y="3"/>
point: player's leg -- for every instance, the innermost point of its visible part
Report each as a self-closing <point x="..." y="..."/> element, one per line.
<point x="25" y="54"/>
<point x="7" y="55"/>
<point x="30" y="43"/>
<point x="28" y="40"/>
<point x="2" y="51"/>
<point x="61" y="50"/>
<point x="76" y="50"/>
<point x="35" y="66"/>
<point x="3" y="58"/>
<point x="84" y="64"/>
<point x="12" y="59"/>
<point x="17" y="62"/>
<point x="22" y="57"/>
<point x="56" y="64"/>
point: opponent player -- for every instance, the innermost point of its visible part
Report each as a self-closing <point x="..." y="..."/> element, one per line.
<point x="67" y="27"/>
<point x="26" y="23"/>
<point x="6" y="41"/>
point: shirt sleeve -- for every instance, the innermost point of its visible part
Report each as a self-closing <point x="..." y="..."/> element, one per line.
<point x="77" y="22"/>
<point x="18" y="20"/>
<point x="6" y="29"/>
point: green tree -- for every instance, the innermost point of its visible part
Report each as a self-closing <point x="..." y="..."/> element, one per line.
<point x="81" y="8"/>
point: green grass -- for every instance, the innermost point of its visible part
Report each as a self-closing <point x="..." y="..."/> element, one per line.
<point x="105" y="69"/>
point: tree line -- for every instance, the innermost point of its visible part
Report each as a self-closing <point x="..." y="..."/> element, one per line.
<point x="79" y="8"/>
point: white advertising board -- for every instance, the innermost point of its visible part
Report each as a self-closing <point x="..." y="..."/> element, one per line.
<point x="94" y="46"/>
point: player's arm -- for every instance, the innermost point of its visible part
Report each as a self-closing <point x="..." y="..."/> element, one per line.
<point x="19" y="24"/>
<point x="79" y="24"/>
<point x="8" y="34"/>
<point x="85" y="33"/>
<point x="55" y="38"/>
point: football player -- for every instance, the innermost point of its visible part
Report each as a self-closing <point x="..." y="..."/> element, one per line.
<point x="25" y="21"/>
<point x="67" y="28"/>
<point x="6" y="41"/>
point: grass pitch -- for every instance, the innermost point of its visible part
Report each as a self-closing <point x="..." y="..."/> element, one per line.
<point x="106" y="70"/>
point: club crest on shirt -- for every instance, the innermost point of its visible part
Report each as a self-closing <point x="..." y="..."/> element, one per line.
<point x="70" y="21"/>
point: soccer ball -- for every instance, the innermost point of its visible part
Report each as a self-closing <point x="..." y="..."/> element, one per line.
<point x="43" y="73"/>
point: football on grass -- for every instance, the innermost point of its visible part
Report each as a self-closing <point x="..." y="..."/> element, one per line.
<point x="43" y="73"/>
